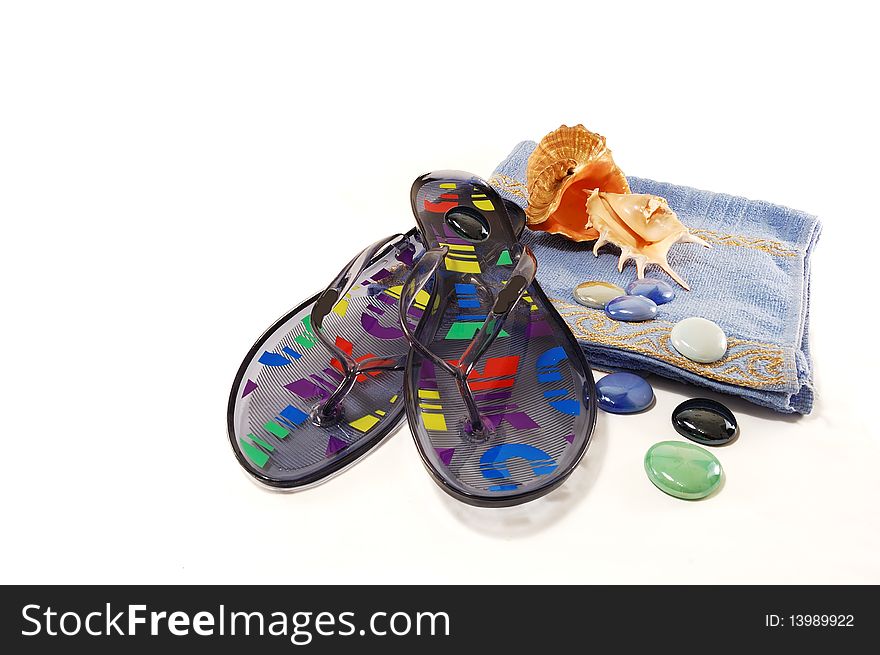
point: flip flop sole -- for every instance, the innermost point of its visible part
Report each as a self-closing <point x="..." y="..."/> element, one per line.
<point x="288" y="371"/>
<point x="533" y="383"/>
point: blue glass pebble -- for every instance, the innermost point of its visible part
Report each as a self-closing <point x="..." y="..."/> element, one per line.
<point x="659" y="291"/>
<point x="624" y="393"/>
<point x="631" y="308"/>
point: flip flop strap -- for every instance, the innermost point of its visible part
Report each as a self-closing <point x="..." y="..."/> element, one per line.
<point x="339" y="288"/>
<point x="423" y="272"/>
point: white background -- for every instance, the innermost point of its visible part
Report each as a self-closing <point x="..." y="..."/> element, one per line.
<point x="159" y="158"/>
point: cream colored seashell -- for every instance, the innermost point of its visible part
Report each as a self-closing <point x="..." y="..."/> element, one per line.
<point x="567" y="162"/>
<point x="641" y="225"/>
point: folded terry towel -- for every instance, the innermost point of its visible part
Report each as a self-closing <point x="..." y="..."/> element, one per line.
<point x="754" y="282"/>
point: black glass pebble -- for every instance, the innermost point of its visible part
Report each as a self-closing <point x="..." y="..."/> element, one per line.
<point x="705" y="421"/>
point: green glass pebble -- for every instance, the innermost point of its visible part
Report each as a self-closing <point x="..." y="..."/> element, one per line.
<point x="682" y="469"/>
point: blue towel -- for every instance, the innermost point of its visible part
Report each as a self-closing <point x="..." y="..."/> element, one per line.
<point x="754" y="282"/>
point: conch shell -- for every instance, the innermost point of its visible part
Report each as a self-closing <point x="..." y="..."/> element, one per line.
<point x="567" y="162"/>
<point x="641" y="225"/>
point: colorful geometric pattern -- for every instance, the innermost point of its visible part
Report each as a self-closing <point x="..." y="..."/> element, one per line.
<point x="429" y="399"/>
<point x="495" y="463"/>
<point x="529" y="393"/>
<point x="291" y="371"/>
<point x="461" y="259"/>
<point x="549" y="370"/>
<point x="380" y="320"/>
<point x="468" y="323"/>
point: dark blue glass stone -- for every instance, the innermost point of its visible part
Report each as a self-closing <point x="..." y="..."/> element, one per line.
<point x="659" y="291"/>
<point x="624" y="393"/>
<point x="631" y="308"/>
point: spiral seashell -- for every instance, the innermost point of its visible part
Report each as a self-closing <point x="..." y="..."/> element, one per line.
<point x="567" y="162"/>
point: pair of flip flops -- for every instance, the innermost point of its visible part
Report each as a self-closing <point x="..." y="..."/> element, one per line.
<point x="445" y="323"/>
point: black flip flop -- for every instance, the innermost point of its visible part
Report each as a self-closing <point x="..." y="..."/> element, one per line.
<point x="499" y="396"/>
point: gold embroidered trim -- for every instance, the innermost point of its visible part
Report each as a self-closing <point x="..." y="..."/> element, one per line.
<point x="509" y="184"/>
<point x="746" y="364"/>
<point x="770" y="246"/>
